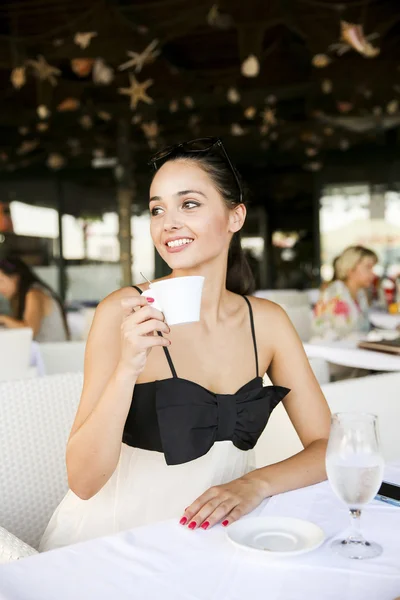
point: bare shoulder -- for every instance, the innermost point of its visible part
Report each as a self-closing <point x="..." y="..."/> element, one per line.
<point x="36" y="295"/>
<point x="266" y="309"/>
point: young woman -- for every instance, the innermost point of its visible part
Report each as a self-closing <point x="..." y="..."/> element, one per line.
<point x="167" y="423"/>
<point x="33" y="303"/>
<point x="342" y="310"/>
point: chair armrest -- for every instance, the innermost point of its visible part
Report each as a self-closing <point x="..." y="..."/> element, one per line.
<point x="12" y="548"/>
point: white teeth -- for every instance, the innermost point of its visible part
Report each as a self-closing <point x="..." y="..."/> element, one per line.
<point x="180" y="242"/>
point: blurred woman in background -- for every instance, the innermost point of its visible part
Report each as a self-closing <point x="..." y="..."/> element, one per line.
<point x="342" y="309"/>
<point x="33" y="303"/>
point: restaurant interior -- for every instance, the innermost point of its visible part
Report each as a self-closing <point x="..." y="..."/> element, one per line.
<point x="302" y="99"/>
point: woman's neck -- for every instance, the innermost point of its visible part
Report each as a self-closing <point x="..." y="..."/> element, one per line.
<point x="353" y="288"/>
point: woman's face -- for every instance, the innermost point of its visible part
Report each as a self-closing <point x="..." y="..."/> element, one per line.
<point x="8" y="285"/>
<point x="363" y="274"/>
<point x="190" y="224"/>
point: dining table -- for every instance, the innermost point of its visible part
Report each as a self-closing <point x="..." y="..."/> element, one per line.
<point x="166" y="561"/>
<point x="347" y="354"/>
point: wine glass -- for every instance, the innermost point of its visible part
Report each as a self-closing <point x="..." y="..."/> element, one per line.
<point x="355" y="469"/>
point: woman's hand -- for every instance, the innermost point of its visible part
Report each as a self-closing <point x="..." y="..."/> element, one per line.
<point x="139" y="329"/>
<point x="226" y="503"/>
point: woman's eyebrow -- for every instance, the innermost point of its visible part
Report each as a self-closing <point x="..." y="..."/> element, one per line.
<point x="178" y="195"/>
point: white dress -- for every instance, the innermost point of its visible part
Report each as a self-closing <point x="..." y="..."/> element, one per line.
<point x="143" y="489"/>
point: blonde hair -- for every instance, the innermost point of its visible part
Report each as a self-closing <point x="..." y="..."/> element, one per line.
<point x="350" y="258"/>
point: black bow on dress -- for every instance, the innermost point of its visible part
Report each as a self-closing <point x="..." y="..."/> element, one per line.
<point x="191" y="418"/>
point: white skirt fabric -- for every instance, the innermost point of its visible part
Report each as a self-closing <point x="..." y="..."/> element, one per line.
<point x="142" y="490"/>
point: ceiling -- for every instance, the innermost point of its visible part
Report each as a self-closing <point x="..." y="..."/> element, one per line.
<point x="309" y="106"/>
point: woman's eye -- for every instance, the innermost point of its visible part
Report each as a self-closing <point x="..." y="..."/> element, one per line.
<point x="190" y="204"/>
<point x="155" y="211"/>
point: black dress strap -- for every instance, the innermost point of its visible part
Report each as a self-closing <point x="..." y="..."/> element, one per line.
<point x="166" y="351"/>
<point x="253" y="333"/>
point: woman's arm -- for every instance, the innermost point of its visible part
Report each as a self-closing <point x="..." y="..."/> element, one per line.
<point x="306" y="407"/>
<point x="308" y="411"/>
<point x="33" y="313"/>
<point x="115" y="355"/>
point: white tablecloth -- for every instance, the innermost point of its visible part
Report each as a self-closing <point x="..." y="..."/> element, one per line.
<point x="169" y="562"/>
<point x="347" y="354"/>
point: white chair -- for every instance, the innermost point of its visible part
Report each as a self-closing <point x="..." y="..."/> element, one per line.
<point x="378" y="394"/>
<point x="321" y="371"/>
<point x="15" y="353"/>
<point x="286" y="297"/>
<point x="62" y="357"/>
<point x="36" y="416"/>
<point x="301" y="317"/>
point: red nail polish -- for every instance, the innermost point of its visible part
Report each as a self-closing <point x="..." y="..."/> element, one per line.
<point x="183" y="521"/>
<point x="205" y="525"/>
<point x="150" y="300"/>
<point x="225" y="523"/>
<point x="192" y="525"/>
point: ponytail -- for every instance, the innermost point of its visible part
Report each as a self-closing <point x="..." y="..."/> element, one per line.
<point x="239" y="277"/>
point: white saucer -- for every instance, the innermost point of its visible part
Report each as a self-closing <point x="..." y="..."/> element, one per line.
<point x="276" y="536"/>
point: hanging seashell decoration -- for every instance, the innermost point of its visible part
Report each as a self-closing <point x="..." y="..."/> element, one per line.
<point x="344" y="107"/>
<point x="326" y="86"/>
<point x="233" y="95"/>
<point x="344" y="144"/>
<point x="27" y="146"/>
<point x="250" y="67"/>
<point x="86" y="121"/>
<point x="102" y="73"/>
<point x="250" y="112"/>
<point x="23" y="130"/>
<point x="18" y="77"/>
<point x="104" y="115"/>
<point x="173" y="106"/>
<point x="83" y="39"/>
<point x="69" y="104"/>
<point x="43" y="112"/>
<point x="42" y="127"/>
<point x="237" y="130"/>
<point x="393" y="107"/>
<point x="55" y="161"/>
<point x="320" y="61"/>
<point x="82" y="66"/>
<point x="188" y="102"/>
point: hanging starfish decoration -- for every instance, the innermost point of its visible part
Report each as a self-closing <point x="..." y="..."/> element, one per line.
<point x="268" y="116"/>
<point x="137" y="91"/>
<point x="138" y="60"/>
<point x="352" y="36"/>
<point x="83" y="39"/>
<point x="43" y="70"/>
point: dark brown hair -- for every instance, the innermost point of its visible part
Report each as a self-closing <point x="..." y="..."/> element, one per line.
<point x="239" y="277"/>
<point x="13" y="265"/>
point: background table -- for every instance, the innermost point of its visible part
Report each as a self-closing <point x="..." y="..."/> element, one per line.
<point x="346" y="353"/>
<point x="169" y="562"/>
<point x="384" y="320"/>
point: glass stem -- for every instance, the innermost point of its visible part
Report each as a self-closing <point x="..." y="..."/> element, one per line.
<point x="355" y="532"/>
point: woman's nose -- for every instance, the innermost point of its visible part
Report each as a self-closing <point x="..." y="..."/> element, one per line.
<point x="171" y="223"/>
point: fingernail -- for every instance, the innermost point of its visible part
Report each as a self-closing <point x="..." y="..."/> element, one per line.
<point x="192" y="525"/>
<point x="150" y="300"/>
<point x="225" y="523"/>
<point x="183" y="521"/>
<point x="205" y="525"/>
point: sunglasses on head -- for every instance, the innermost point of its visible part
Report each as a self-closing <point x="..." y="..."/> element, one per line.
<point x="196" y="147"/>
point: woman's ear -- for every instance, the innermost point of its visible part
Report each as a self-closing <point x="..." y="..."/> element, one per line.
<point x="237" y="218"/>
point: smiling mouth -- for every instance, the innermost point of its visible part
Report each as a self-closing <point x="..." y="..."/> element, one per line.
<point x="178" y="243"/>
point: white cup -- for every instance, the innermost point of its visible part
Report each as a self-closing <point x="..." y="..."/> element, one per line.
<point x="179" y="298"/>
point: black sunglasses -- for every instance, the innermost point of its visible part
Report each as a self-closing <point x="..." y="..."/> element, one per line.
<point x="196" y="146"/>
